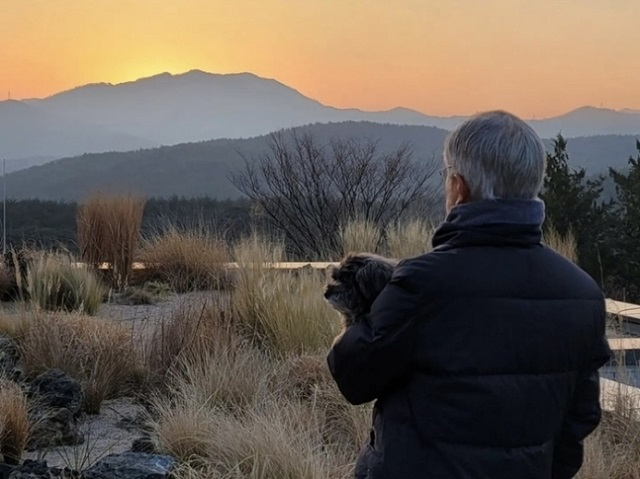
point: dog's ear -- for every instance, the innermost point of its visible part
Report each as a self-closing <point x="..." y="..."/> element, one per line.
<point x="372" y="278"/>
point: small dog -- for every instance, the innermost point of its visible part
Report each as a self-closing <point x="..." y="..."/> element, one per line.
<point x="356" y="283"/>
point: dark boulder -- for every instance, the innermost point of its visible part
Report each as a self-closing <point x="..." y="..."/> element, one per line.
<point x="131" y="465"/>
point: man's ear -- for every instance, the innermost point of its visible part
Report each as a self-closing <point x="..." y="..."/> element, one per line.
<point x="463" y="193"/>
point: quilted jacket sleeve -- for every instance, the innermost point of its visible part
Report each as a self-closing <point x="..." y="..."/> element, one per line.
<point x="368" y="358"/>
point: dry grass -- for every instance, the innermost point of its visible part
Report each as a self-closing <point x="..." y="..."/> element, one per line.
<point x="55" y="283"/>
<point x="613" y="450"/>
<point x="13" y="325"/>
<point x="409" y="239"/>
<point x="269" y="439"/>
<point x="14" y="421"/>
<point x="565" y="245"/>
<point x="109" y="231"/>
<point x="283" y="311"/>
<point x="187" y="260"/>
<point x="99" y="354"/>
<point x="192" y="329"/>
<point x="360" y="235"/>
<point x="307" y="378"/>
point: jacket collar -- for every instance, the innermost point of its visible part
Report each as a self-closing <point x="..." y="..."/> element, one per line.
<point x="492" y="223"/>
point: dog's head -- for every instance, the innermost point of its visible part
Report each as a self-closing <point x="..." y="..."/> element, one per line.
<point x="357" y="281"/>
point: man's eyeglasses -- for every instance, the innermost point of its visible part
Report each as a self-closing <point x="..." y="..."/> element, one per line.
<point x="444" y="171"/>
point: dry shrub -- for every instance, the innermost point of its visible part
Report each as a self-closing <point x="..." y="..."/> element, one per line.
<point x="283" y="311"/>
<point x="565" y="245"/>
<point x="193" y="328"/>
<point x="268" y="440"/>
<point x="7" y="282"/>
<point x="54" y="282"/>
<point x="307" y="378"/>
<point x="360" y="235"/>
<point x="187" y="260"/>
<point x="99" y="354"/>
<point x="13" y="325"/>
<point x="409" y="239"/>
<point x="14" y="421"/>
<point x="109" y="231"/>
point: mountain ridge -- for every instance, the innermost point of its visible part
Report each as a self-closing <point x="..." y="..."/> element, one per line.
<point x="202" y="168"/>
<point x="170" y="109"/>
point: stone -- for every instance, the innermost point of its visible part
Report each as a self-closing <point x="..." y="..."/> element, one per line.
<point x="6" y="470"/>
<point x="53" y="427"/>
<point x="31" y="469"/>
<point x="54" y="389"/>
<point x="144" y="444"/>
<point x="131" y="465"/>
<point x="58" y="402"/>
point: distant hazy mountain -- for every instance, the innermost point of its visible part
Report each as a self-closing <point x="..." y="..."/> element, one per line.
<point x="589" y="121"/>
<point x="37" y="135"/>
<point x="197" y="169"/>
<point x="196" y="106"/>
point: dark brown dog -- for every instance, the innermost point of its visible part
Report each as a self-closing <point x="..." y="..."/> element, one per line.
<point x="356" y="283"/>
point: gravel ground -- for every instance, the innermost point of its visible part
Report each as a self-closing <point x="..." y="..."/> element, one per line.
<point x="120" y="421"/>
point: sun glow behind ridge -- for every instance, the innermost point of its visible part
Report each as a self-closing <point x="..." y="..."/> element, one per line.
<point x="456" y="57"/>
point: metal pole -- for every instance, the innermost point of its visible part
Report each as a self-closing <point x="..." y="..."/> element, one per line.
<point x="4" y="207"/>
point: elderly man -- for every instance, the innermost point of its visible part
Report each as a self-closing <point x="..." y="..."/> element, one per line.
<point x="483" y="355"/>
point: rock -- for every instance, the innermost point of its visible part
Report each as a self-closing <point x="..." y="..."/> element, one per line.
<point x="144" y="444"/>
<point x="54" y="389"/>
<point x="58" y="401"/>
<point x="53" y="427"/>
<point x="8" y="359"/>
<point x="131" y="465"/>
<point x="6" y="470"/>
<point x="39" y="470"/>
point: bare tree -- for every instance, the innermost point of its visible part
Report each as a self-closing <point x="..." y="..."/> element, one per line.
<point x="309" y="190"/>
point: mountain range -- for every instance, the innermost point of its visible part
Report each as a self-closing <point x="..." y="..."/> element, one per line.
<point x="197" y="106"/>
<point x="202" y="168"/>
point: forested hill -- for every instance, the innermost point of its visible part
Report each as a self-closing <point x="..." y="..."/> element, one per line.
<point x="201" y="169"/>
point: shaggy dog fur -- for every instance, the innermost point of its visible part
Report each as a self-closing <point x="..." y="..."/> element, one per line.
<point x="356" y="283"/>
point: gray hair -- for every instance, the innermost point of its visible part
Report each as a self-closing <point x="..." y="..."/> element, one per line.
<point x="498" y="155"/>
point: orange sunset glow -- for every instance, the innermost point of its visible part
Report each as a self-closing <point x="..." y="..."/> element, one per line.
<point x="535" y="58"/>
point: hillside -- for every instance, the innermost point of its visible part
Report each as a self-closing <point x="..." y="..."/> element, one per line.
<point x="198" y="169"/>
<point x="197" y="106"/>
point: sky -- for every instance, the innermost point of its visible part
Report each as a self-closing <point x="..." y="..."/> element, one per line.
<point x="536" y="58"/>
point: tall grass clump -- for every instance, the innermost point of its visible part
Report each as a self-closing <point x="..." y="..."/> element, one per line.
<point x="613" y="450"/>
<point x="192" y="328"/>
<point x="99" y="354"/>
<point x="187" y="260"/>
<point x="269" y="439"/>
<point x="55" y="283"/>
<point x="109" y="231"/>
<point x="14" y="421"/>
<point x="360" y="235"/>
<point x="284" y="311"/>
<point x="409" y="239"/>
<point x="565" y="245"/>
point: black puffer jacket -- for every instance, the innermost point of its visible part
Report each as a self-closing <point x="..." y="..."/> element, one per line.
<point x="483" y="357"/>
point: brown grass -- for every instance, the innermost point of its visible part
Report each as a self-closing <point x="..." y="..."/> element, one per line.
<point x="191" y="329"/>
<point x="99" y="354"/>
<point x="187" y="260"/>
<point x="14" y="421"/>
<point x="283" y="311"/>
<point x="565" y="245"/>
<point x="613" y="450"/>
<point x="109" y="231"/>
<point x="409" y="239"/>
<point x="13" y="325"/>
<point x="54" y="282"/>
<point x="360" y="236"/>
